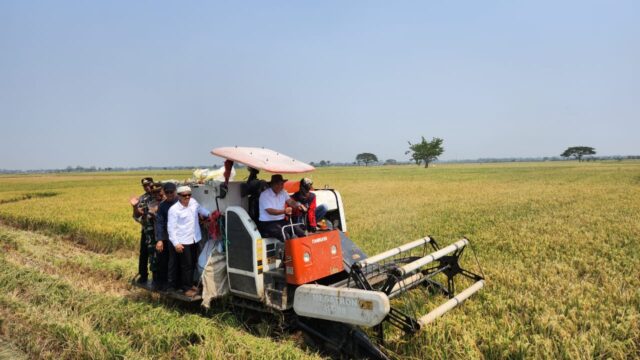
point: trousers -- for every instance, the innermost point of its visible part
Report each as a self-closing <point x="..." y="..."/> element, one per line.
<point x="187" y="259"/>
<point x="162" y="263"/>
<point x="274" y="229"/>
<point x="143" y="258"/>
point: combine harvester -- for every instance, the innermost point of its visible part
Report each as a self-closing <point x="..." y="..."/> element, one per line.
<point x="322" y="283"/>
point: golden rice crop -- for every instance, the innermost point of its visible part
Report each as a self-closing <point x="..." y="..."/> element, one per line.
<point x="558" y="243"/>
<point x="91" y="209"/>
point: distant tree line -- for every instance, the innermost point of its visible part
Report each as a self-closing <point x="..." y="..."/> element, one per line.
<point x="428" y="151"/>
<point x="321" y="163"/>
<point x="422" y="152"/>
<point x="82" y="169"/>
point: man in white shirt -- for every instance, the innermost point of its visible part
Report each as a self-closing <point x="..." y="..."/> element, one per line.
<point x="184" y="233"/>
<point x="273" y="208"/>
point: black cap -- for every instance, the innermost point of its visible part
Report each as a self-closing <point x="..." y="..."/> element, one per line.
<point x="277" y="178"/>
<point x="146" y="181"/>
<point x="169" y="187"/>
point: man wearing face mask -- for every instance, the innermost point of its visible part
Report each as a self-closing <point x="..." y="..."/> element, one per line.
<point x="184" y="233"/>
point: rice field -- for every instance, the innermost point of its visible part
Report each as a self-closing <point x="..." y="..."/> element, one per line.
<point x="558" y="243"/>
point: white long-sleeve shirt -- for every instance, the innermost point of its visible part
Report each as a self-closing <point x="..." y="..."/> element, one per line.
<point x="182" y="222"/>
<point x="270" y="200"/>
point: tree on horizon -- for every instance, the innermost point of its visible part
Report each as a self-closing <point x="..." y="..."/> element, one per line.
<point x="427" y="151"/>
<point x="578" y="152"/>
<point x="366" y="158"/>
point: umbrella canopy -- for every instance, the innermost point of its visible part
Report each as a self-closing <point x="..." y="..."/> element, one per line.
<point x="263" y="159"/>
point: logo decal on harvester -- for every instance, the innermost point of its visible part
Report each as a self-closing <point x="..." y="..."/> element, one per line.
<point x="340" y="305"/>
<point x="319" y="240"/>
<point x="328" y="300"/>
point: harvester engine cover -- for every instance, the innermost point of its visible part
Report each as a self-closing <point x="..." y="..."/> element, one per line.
<point x="313" y="257"/>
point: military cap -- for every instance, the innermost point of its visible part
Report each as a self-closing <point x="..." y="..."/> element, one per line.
<point x="156" y="187"/>
<point x="146" y="181"/>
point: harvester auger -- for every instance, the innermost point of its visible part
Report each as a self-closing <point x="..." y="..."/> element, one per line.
<point x="321" y="283"/>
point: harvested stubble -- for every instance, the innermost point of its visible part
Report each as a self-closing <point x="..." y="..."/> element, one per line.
<point x="558" y="243"/>
<point x="52" y="308"/>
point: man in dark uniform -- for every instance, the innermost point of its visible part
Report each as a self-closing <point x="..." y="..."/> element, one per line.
<point x="165" y="252"/>
<point x="140" y="205"/>
<point x="149" y="230"/>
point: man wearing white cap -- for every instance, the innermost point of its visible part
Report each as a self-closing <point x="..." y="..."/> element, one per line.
<point x="184" y="234"/>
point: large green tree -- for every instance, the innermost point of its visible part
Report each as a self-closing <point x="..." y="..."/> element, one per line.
<point x="578" y="152"/>
<point x="425" y="151"/>
<point x="366" y="158"/>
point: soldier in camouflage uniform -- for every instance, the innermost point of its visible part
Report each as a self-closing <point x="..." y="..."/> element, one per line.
<point x="140" y="207"/>
<point x="149" y="229"/>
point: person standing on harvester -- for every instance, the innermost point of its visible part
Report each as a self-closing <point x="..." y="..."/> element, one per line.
<point x="165" y="252"/>
<point x="149" y="230"/>
<point x="184" y="234"/>
<point x="140" y="206"/>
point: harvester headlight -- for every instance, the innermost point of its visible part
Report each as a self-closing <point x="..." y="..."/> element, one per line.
<point x="334" y="249"/>
<point x="306" y="257"/>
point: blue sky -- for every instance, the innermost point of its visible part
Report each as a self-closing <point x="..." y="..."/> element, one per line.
<point x="162" y="83"/>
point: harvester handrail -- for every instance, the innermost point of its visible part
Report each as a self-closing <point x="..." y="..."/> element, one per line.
<point x="415" y="265"/>
<point x="450" y="304"/>
<point x="291" y="225"/>
<point x="393" y="252"/>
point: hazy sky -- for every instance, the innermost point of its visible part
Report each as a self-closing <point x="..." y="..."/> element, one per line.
<point x="136" y="83"/>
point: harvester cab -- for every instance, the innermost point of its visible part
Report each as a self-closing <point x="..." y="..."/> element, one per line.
<point x="323" y="283"/>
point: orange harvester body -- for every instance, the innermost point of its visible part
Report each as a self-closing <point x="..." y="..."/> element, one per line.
<point x="324" y="257"/>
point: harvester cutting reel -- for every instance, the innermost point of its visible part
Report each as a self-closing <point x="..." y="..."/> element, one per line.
<point x="396" y="271"/>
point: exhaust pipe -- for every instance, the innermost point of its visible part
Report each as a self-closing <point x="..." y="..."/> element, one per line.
<point x="453" y="302"/>
<point x="393" y="252"/>
<point x="415" y="265"/>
